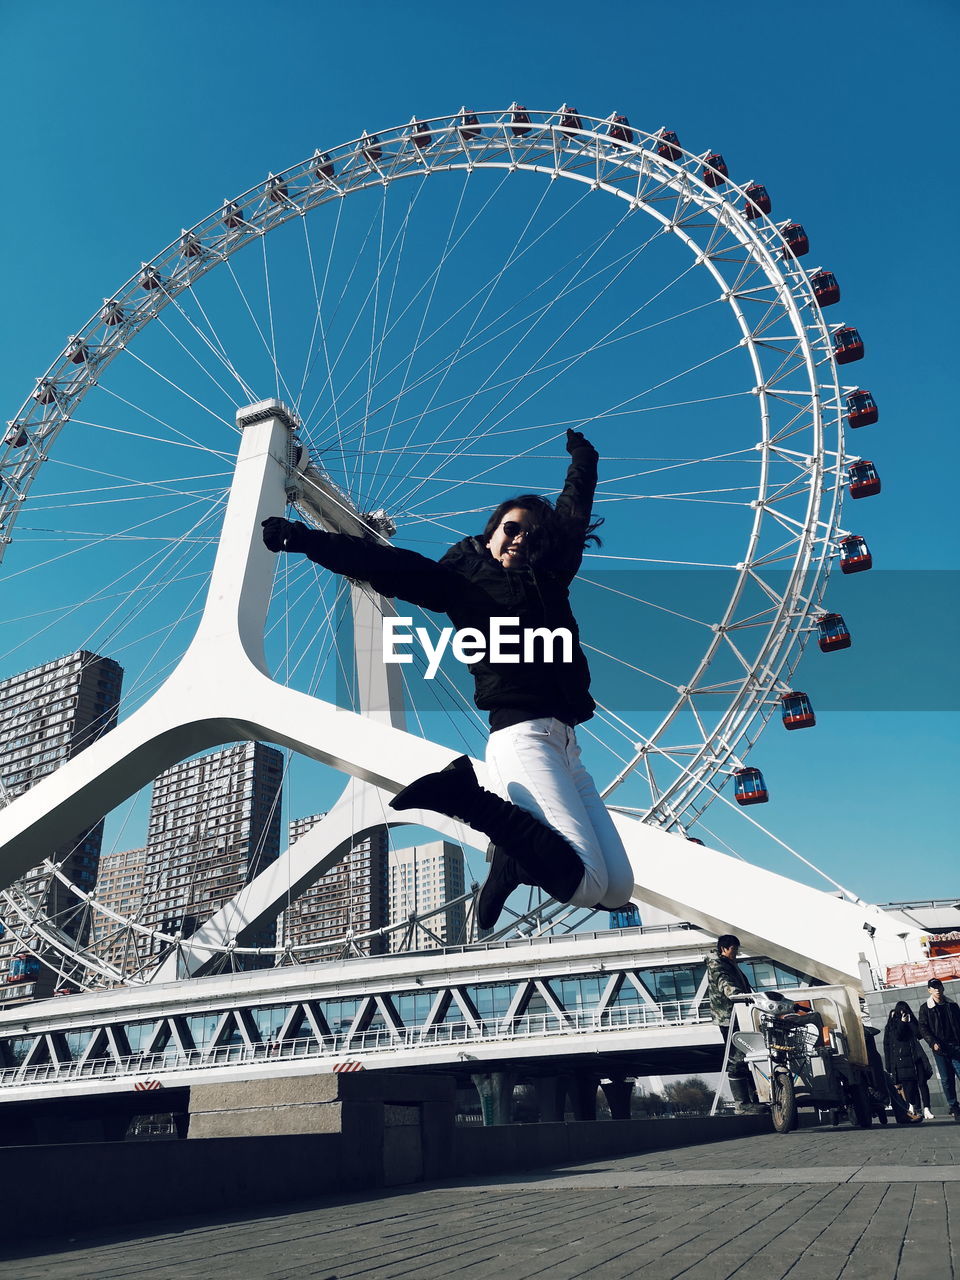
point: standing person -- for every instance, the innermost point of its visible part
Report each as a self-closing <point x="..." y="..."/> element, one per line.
<point x="725" y="979"/>
<point x="548" y="825"/>
<point x="940" y="1027"/>
<point x="905" y="1060"/>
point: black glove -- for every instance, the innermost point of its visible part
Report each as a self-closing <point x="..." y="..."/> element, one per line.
<point x="284" y="535"/>
<point x="577" y="440"/>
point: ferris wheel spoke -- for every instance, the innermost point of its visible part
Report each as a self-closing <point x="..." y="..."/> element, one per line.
<point x="703" y="499"/>
<point x="164" y="487"/>
<point x="488" y="334"/>
<point x="213" y="342"/>
<point x="631" y="666"/>
<point x="256" y="324"/>
<point x="99" y="540"/>
<point x="632" y="410"/>
<point x="313" y="348"/>
<point x="485" y="429"/>
<point x="331" y="365"/>
<point x="115" y="495"/>
<point x="191" y="355"/>
<point x="433" y="279"/>
<point x="622" y="407"/>
<point x="662" y="560"/>
<point x="175" y="431"/>
<point x="270" y="324"/>
<point x="446" y="365"/>
<point x="130" y="613"/>
<point x="142" y="436"/>
<point x="486" y="295"/>
<point x="124" y="598"/>
<point x="594" y="583"/>
<point x="377" y="344"/>
<point x="565" y="364"/>
<point x="321" y="620"/>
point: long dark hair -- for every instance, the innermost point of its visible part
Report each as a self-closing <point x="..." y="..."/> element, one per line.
<point x="552" y="531"/>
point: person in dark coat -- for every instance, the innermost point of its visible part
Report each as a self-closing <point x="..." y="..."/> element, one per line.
<point x="940" y="1027"/>
<point x="905" y="1059"/>
<point x="883" y="1090"/>
<point x="548" y="825"/>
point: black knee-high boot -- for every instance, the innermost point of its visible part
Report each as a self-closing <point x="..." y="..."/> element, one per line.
<point x="504" y="876"/>
<point x="544" y="857"/>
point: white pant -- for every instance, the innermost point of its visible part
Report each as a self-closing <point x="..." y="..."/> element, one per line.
<point x="537" y="765"/>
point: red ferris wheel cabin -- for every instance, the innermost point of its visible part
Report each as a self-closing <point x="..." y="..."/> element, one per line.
<point x="797" y="243"/>
<point x="796" y="711"/>
<point x="749" y="787"/>
<point x="855" y="555"/>
<point x="847" y="345"/>
<point x="864" y="479"/>
<point x="861" y="409"/>
<point x="669" y="145"/>
<point x="758" y="201"/>
<point x="833" y="632"/>
<point x="825" y="288"/>
<point x="714" y="169"/>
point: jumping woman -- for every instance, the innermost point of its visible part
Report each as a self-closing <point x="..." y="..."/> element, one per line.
<point x="548" y="825"/>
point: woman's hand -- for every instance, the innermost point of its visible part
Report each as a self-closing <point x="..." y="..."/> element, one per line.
<point x="283" y="535"/>
<point x="576" y="440"/>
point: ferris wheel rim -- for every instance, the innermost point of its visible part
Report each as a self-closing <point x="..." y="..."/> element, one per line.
<point x="637" y="155"/>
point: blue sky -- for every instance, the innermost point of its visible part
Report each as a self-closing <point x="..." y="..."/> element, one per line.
<point x="126" y="121"/>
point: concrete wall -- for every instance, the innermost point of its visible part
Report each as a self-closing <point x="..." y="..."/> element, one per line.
<point x="394" y="1128"/>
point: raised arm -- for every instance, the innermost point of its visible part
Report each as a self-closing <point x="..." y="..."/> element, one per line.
<point x="393" y="571"/>
<point x="575" y="503"/>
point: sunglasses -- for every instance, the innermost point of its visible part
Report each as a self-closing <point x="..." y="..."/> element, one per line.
<point x="512" y="529"/>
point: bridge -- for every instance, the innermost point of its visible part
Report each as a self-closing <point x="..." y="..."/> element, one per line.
<point x="628" y="1001"/>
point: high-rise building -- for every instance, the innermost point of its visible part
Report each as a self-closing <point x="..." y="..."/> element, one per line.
<point x="48" y="715"/>
<point x="350" y="899"/>
<point x="120" y="887"/>
<point x="423" y="878"/>
<point x="214" y="825"/>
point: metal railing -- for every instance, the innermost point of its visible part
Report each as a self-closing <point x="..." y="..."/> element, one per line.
<point x="376" y="1041"/>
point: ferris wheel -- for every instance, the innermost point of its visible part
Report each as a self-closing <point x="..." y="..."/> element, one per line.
<point x="436" y="308"/>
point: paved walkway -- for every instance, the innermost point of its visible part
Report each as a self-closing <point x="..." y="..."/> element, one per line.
<point x="819" y="1203"/>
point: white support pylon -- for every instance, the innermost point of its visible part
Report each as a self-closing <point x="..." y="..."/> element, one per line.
<point x="222" y="692"/>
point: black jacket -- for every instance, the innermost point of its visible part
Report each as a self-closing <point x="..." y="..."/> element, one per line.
<point x="903" y="1053"/>
<point x="471" y="588"/>
<point x="940" y="1024"/>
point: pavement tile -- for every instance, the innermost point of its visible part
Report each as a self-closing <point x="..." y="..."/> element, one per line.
<point x="926" y="1247"/>
<point x="907" y="1173"/>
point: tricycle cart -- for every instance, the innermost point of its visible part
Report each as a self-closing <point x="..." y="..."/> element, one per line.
<point x="803" y="1048"/>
